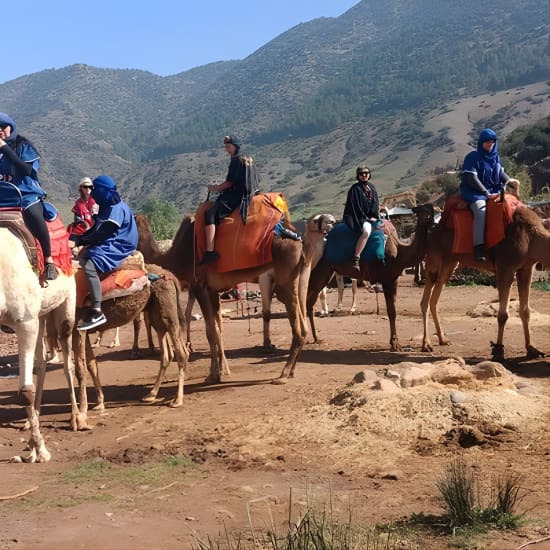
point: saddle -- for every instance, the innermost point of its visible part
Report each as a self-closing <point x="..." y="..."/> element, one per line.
<point x="244" y="246"/>
<point x="458" y="217"/>
<point x="129" y="277"/>
<point x="12" y="219"/>
<point x="341" y="241"/>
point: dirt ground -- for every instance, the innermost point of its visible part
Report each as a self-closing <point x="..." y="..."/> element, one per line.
<point x="244" y="455"/>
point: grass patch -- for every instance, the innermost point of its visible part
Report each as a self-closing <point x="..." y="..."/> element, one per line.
<point x="541" y="285"/>
<point x="466" y="515"/>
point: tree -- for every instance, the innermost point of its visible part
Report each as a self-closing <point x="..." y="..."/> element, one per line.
<point x="163" y="218"/>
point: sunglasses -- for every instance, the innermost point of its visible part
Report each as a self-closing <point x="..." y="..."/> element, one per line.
<point x="364" y="173"/>
<point x="3" y="126"/>
<point x="87" y="186"/>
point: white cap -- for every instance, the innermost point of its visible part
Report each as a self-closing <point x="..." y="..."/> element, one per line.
<point x="86" y="182"/>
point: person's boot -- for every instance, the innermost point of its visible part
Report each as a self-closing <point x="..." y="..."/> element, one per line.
<point x="209" y="257"/>
<point x="50" y="273"/>
<point x="355" y="263"/>
<point x="479" y="253"/>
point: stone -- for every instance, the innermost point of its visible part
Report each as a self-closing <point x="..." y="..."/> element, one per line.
<point x="413" y="376"/>
<point x="386" y="386"/>
<point x="365" y="376"/>
<point x="488" y="369"/>
<point x="458" y="397"/>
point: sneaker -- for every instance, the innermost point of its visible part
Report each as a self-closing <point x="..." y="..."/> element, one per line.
<point x="209" y="257"/>
<point x="93" y="318"/>
<point x="479" y="253"/>
<point x="355" y="263"/>
<point x="50" y="273"/>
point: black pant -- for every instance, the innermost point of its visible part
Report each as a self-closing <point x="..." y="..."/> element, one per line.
<point x="34" y="220"/>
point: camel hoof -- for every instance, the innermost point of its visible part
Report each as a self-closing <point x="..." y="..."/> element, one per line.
<point x="280" y="381"/>
<point x="176" y="403"/>
<point x="211" y="380"/>
<point x="99" y="407"/>
<point x="269" y="348"/>
<point x="395" y="347"/>
<point x="318" y="341"/>
<point x="149" y="398"/>
<point x="427" y="347"/>
<point x="534" y="353"/>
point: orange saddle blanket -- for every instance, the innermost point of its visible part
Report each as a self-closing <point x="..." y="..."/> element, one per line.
<point x="116" y="284"/>
<point x="243" y="246"/>
<point x="458" y="216"/>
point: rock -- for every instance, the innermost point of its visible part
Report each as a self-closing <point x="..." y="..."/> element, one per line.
<point x="365" y="376"/>
<point x="386" y="386"/>
<point x="451" y="371"/>
<point x="489" y="369"/>
<point x="413" y="376"/>
<point x="458" y="397"/>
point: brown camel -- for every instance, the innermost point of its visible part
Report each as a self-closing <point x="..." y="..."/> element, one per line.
<point x="526" y="243"/>
<point x="386" y="273"/>
<point x="291" y="272"/>
<point x="161" y="304"/>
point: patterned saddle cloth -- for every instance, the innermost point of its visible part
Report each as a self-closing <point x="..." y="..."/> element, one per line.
<point x="341" y="241"/>
<point x="244" y="246"/>
<point x="130" y="277"/>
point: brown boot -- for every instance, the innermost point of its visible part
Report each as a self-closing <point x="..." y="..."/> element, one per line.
<point x="355" y="263"/>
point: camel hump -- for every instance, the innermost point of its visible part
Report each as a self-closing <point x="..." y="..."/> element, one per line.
<point x="12" y="220"/>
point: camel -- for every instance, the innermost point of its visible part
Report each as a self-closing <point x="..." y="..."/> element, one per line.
<point x="526" y="243"/>
<point x="386" y="273"/>
<point x="290" y="274"/>
<point x="340" y="286"/>
<point x="161" y="303"/>
<point x="25" y="307"/>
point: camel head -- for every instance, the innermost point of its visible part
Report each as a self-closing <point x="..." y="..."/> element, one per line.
<point x="424" y="215"/>
<point x="321" y="223"/>
<point x="146" y="241"/>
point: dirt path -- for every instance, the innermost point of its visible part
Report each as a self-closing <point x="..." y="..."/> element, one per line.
<point x="236" y="456"/>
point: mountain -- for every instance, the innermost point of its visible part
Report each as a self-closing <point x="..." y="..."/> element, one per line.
<point x="400" y="84"/>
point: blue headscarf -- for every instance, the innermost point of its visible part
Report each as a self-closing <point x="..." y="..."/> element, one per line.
<point x="490" y="157"/>
<point x="104" y="191"/>
<point x="6" y="119"/>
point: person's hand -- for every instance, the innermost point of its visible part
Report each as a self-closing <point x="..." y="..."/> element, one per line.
<point x="493" y="196"/>
<point x="213" y="188"/>
<point x="2" y="142"/>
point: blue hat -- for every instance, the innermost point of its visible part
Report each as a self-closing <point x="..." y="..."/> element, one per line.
<point x="105" y="181"/>
<point x="6" y="120"/>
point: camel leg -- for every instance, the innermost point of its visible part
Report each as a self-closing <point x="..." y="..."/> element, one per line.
<point x="504" y="285"/>
<point x="266" y="293"/>
<point x="203" y="296"/>
<point x="319" y="278"/>
<point x="27" y="339"/>
<point x="353" y="295"/>
<point x="523" y="277"/>
<point x="91" y="364"/>
<point x="79" y="348"/>
<point x="340" y="283"/>
<point x="390" y="293"/>
<point x="323" y="300"/>
<point x="137" y="327"/>
<point x="431" y="295"/>
<point x="116" y="340"/>
<point x="187" y="316"/>
<point x="294" y="298"/>
<point x="217" y="305"/>
<point x="182" y="358"/>
<point x="165" y="359"/>
<point x="40" y="363"/>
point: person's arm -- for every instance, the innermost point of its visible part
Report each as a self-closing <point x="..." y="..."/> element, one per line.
<point x="471" y="180"/>
<point x="21" y="167"/>
<point x="97" y="234"/>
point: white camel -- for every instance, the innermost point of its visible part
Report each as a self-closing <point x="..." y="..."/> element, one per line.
<point x="25" y="306"/>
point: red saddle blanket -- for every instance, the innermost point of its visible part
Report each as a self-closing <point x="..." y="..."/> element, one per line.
<point x="59" y="238"/>
<point x="458" y="216"/>
<point x="243" y="246"/>
<point x="115" y="284"/>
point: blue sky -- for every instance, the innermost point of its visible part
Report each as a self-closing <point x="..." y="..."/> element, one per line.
<point x="161" y="36"/>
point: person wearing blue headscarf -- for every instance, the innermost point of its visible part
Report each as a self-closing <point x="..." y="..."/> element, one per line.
<point x="108" y="243"/>
<point x="19" y="165"/>
<point x="482" y="178"/>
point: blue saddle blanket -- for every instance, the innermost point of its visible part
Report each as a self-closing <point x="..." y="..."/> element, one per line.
<point x="341" y="241"/>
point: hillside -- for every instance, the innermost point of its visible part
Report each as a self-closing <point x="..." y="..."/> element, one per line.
<point x="391" y="82"/>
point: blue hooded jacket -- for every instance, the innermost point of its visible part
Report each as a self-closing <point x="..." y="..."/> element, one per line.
<point x="29" y="186"/>
<point x="486" y="166"/>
